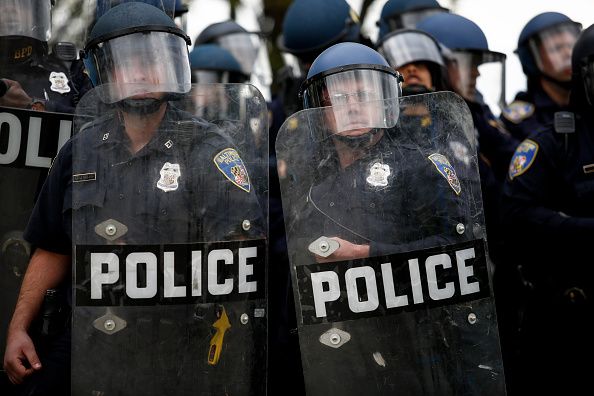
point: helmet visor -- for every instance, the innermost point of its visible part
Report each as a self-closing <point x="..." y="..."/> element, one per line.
<point x="552" y="50"/>
<point x="478" y="76"/>
<point x="410" y="19"/>
<point x="26" y="18"/>
<point x="244" y="47"/>
<point x="357" y="99"/>
<point x="409" y="46"/>
<point x="142" y="63"/>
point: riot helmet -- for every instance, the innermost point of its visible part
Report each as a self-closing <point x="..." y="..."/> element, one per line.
<point x="25" y="28"/>
<point x="359" y="85"/>
<point x="409" y="51"/>
<point x="582" y="61"/>
<point x="243" y="45"/>
<point x="545" y="45"/>
<point x="475" y="72"/>
<point x="399" y="14"/>
<point x="136" y="49"/>
<point x="211" y="63"/>
<point x="167" y="6"/>
<point x="311" y="26"/>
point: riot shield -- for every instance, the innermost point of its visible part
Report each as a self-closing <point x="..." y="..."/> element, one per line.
<point x="387" y="246"/>
<point x="169" y="245"/>
<point x="29" y="140"/>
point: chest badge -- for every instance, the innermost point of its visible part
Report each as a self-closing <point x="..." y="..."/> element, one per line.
<point x="378" y="175"/>
<point x="447" y="171"/>
<point x="59" y="82"/>
<point x="169" y="175"/>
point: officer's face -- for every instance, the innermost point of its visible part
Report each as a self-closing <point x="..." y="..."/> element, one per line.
<point x="139" y="76"/>
<point x="416" y="73"/>
<point x="355" y="108"/>
<point x="554" y="54"/>
<point x="463" y="72"/>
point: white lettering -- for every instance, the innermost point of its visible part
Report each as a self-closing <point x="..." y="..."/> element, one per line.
<point x="392" y="301"/>
<point x="33" y="158"/>
<point x="14" y="138"/>
<point x="435" y="292"/>
<point x="169" y="288"/>
<point x="464" y="272"/>
<point x="321" y="297"/>
<point x="196" y="273"/>
<point x="215" y="288"/>
<point x="132" y="262"/>
<point x="415" y="280"/>
<point x="246" y="269"/>
<point x="355" y="303"/>
<point x="100" y="278"/>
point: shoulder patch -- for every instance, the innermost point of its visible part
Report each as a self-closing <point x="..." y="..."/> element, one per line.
<point x="518" y="111"/>
<point x="523" y="158"/>
<point x="231" y="165"/>
<point x="446" y="170"/>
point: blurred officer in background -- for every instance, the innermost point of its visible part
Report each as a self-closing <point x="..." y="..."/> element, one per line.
<point x="544" y="49"/>
<point x="470" y="61"/>
<point x="547" y="206"/>
<point x="31" y="77"/>
<point x="417" y="56"/>
<point x="399" y="14"/>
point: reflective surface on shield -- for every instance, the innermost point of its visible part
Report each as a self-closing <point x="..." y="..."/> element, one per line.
<point x="403" y="305"/>
<point x="169" y="229"/>
<point x="29" y="140"/>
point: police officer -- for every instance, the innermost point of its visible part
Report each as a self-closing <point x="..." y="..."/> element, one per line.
<point x="417" y="56"/>
<point x="399" y="14"/>
<point x="140" y="58"/>
<point x="547" y="207"/>
<point x="544" y="49"/>
<point x="367" y="185"/>
<point x="35" y="78"/>
<point x="31" y="77"/>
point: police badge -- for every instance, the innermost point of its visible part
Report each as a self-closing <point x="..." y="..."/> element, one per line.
<point x="231" y="165"/>
<point x="169" y="175"/>
<point x="378" y="175"/>
<point x="59" y="82"/>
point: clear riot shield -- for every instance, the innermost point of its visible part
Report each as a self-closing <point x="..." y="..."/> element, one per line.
<point x="387" y="245"/>
<point x="29" y="140"/>
<point x="169" y="246"/>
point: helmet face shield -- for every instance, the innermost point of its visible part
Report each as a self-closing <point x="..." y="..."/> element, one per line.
<point x="142" y="63"/>
<point x="26" y="18"/>
<point x="410" y="46"/>
<point x="244" y="47"/>
<point x="357" y="98"/>
<point x="478" y="76"/>
<point x="410" y="19"/>
<point x="552" y="49"/>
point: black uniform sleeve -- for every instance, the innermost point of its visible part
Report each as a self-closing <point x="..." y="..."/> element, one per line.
<point x="49" y="225"/>
<point x="528" y="205"/>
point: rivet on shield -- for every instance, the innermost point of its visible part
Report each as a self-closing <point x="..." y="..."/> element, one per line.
<point x="335" y="339"/>
<point x="460" y="228"/>
<point x="472" y="318"/>
<point x="244" y="318"/>
<point x="324" y="246"/>
<point x="246" y="225"/>
<point x="111" y="229"/>
<point x="109" y="325"/>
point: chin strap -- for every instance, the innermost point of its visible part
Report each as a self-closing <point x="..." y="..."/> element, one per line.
<point x="140" y="106"/>
<point x="356" y="142"/>
<point x="563" y="84"/>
